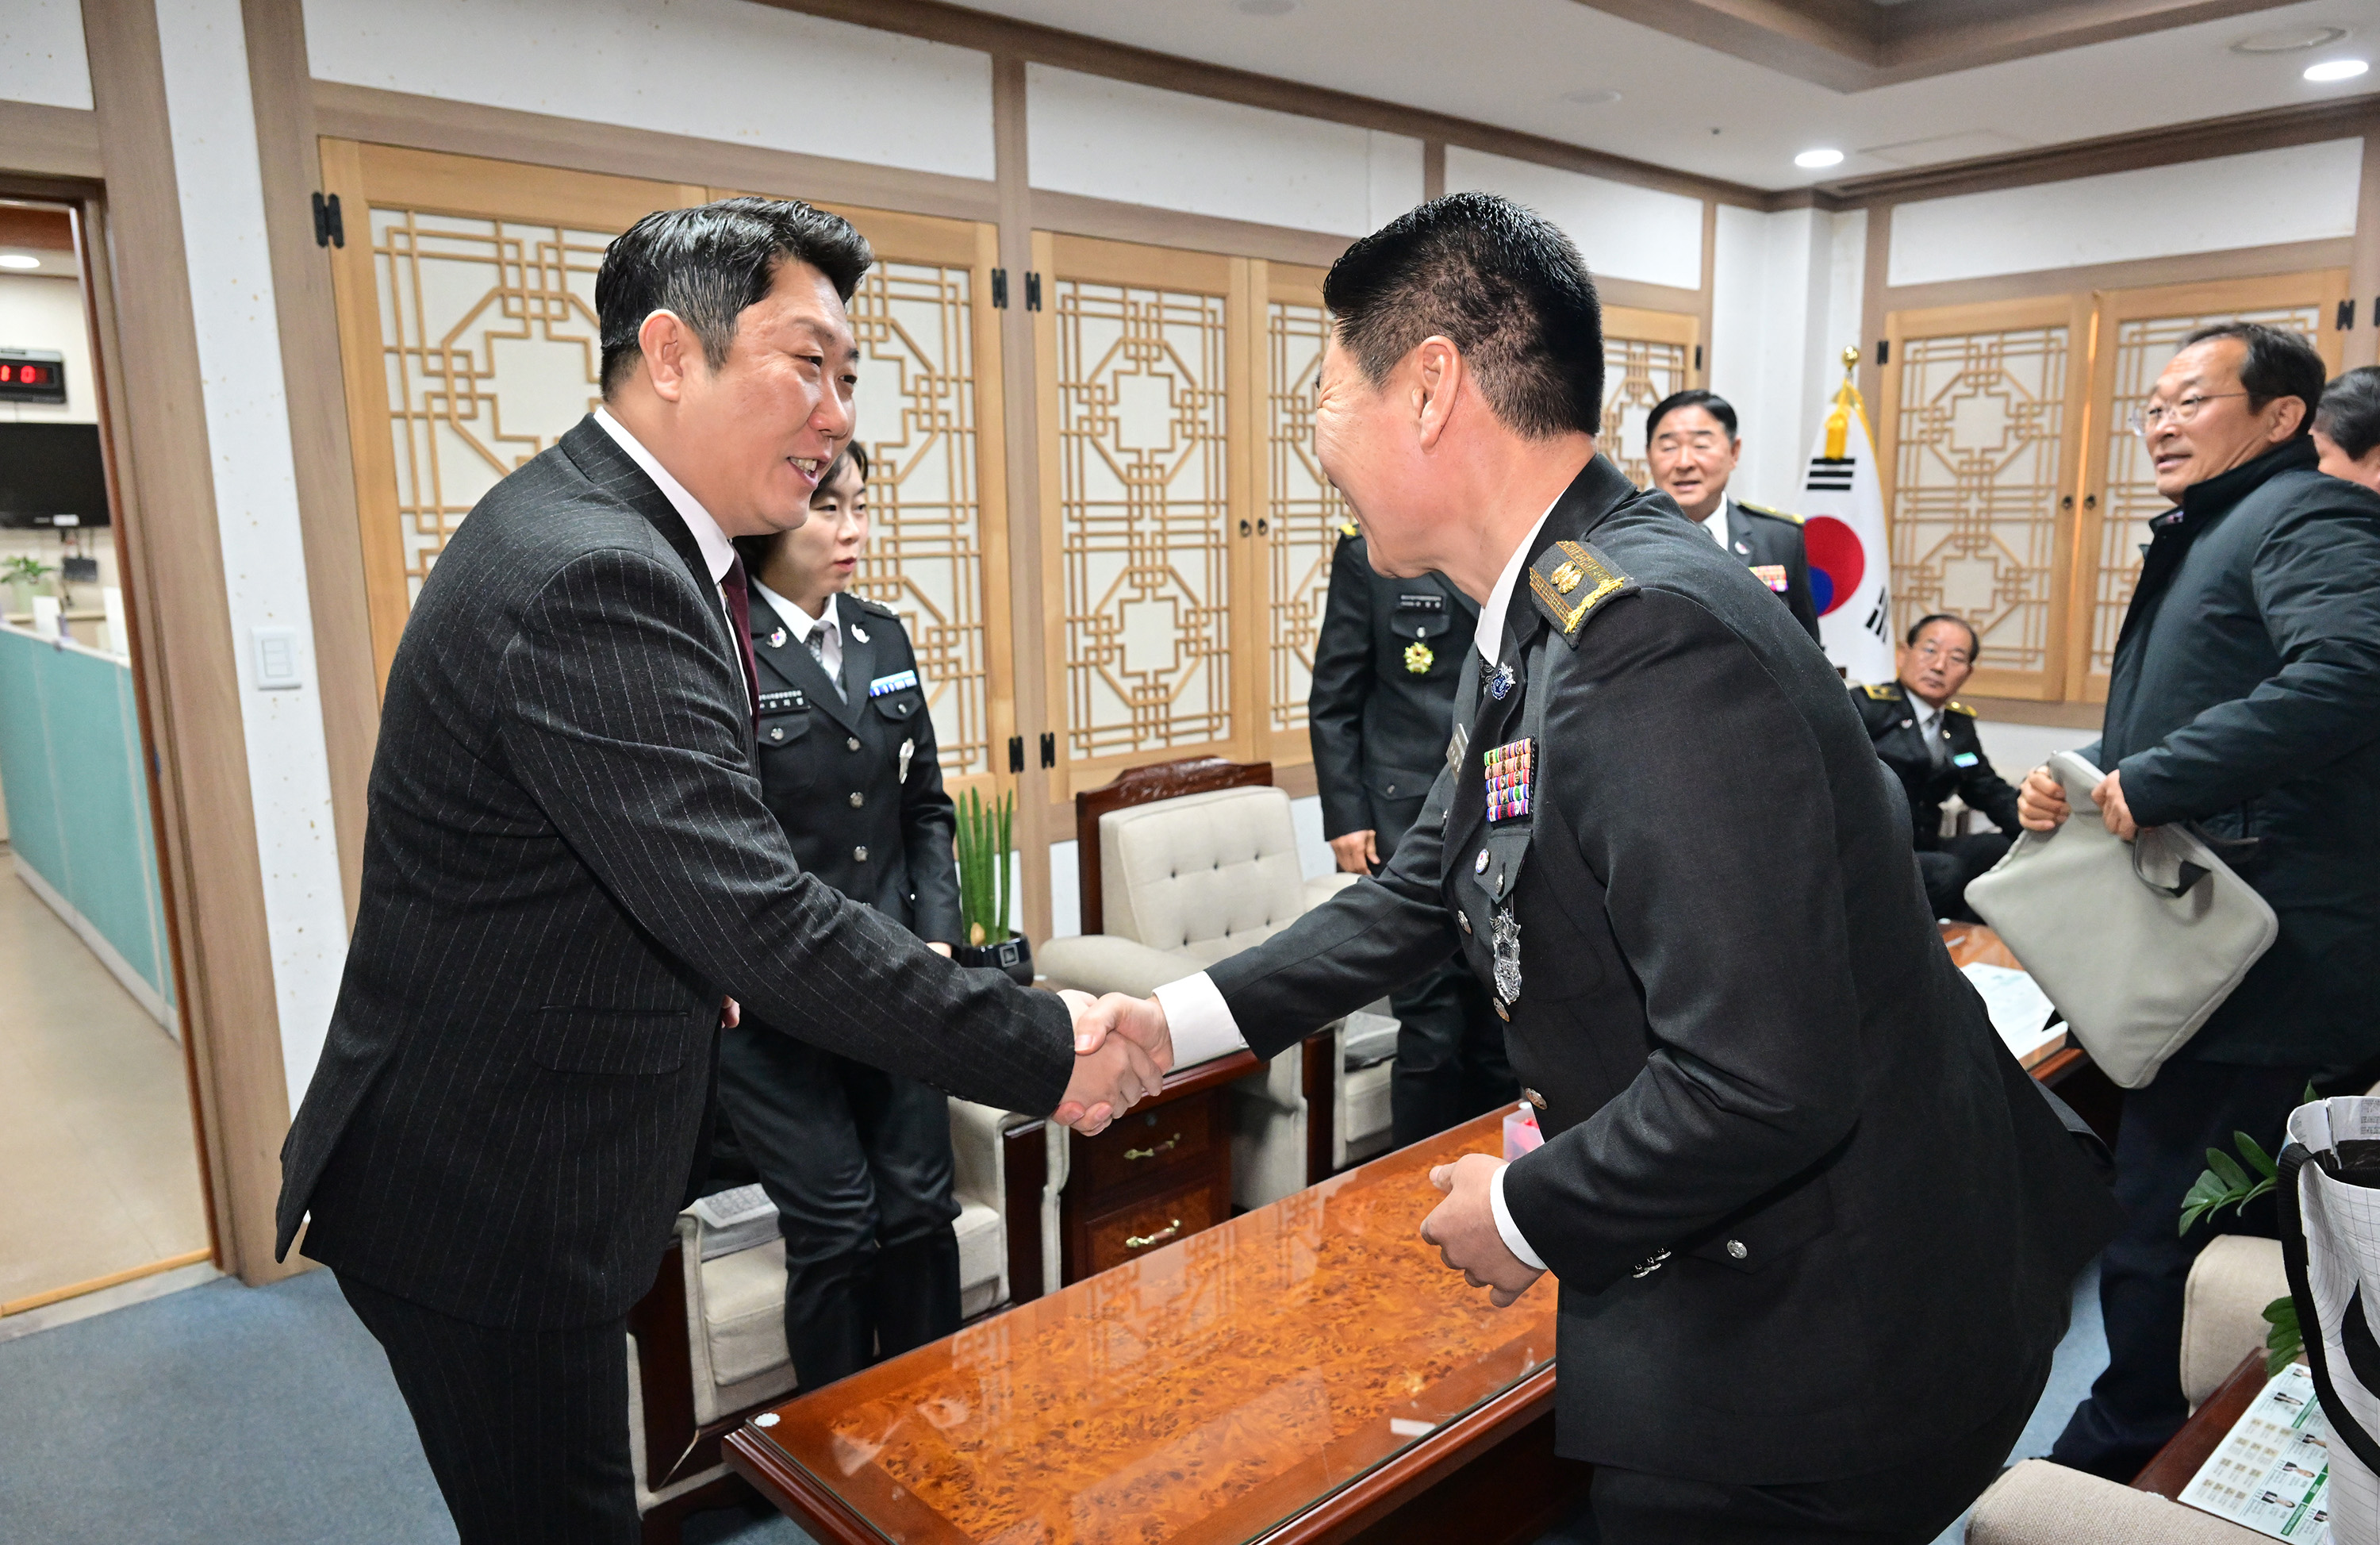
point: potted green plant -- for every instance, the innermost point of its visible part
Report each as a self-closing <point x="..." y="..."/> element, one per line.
<point x="20" y="575"/>
<point x="983" y="846"/>
<point x="2234" y="1183"/>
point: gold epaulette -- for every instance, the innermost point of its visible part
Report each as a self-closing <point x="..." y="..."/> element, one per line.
<point x="1571" y="583"/>
<point x="1349" y="529"/>
<point x="1884" y="691"/>
<point x="1773" y="514"/>
<point x="1955" y="706"/>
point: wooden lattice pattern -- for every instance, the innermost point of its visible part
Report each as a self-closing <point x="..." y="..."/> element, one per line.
<point x="2143" y="346"/>
<point x="1304" y="511"/>
<point x="918" y="417"/>
<point x="1142" y="411"/>
<point x="1637" y="373"/>
<point x="491" y="352"/>
<point x="1974" y="517"/>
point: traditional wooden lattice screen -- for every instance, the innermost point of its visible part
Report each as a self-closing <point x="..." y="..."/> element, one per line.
<point x="1646" y="356"/>
<point x="1303" y="512"/>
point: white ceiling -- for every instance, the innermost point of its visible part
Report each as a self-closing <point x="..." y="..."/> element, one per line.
<point x="1511" y="62"/>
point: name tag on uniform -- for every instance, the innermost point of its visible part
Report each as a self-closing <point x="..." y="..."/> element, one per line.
<point x="1422" y="603"/>
<point x="1507" y="769"/>
<point x="777" y="701"/>
<point x="1964" y="758"/>
<point x="1770" y="575"/>
<point x="896" y="682"/>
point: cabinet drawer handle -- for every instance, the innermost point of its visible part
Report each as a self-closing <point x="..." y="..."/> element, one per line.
<point x="1143" y="1241"/>
<point x="1168" y="1146"/>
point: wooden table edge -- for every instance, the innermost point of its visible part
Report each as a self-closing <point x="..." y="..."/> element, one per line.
<point x="790" y="1488"/>
<point x="2187" y="1451"/>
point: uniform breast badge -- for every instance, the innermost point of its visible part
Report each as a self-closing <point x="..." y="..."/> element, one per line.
<point x="1505" y="941"/>
<point x="859" y="633"/>
<point x="1500" y="682"/>
<point x="1418" y="658"/>
<point x="1507" y="771"/>
<point x="897" y="682"/>
<point x="1772" y="575"/>
<point x="777" y="638"/>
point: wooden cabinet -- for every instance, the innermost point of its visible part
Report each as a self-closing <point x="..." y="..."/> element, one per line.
<point x="1161" y="1173"/>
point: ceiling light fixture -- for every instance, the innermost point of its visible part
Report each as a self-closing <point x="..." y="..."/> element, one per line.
<point x="1818" y="160"/>
<point x="1591" y="96"/>
<point x="2288" y="40"/>
<point x="18" y="259"/>
<point x="2336" y="69"/>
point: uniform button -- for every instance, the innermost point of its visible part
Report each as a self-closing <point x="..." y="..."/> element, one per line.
<point x="777" y="733"/>
<point x="1464" y="918"/>
<point x="1737" y="1249"/>
<point x="852" y="742"/>
<point x="857" y="799"/>
<point x="860" y="854"/>
<point x="1392" y="788"/>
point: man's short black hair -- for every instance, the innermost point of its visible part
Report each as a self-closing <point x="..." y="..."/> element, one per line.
<point x="1974" y="639"/>
<point x="707" y="264"/>
<point x="2351" y="411"/>
<point x="1709" y="402"/>
<point x="2279" y="364"/>
<point x="1503" y="283"/>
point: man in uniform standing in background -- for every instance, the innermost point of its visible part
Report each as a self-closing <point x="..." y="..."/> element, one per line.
<point x="1385" y="663"/>
<point x="1690" y="442"/>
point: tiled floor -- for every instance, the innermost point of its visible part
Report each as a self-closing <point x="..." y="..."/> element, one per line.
<point x="94" y="1114"/>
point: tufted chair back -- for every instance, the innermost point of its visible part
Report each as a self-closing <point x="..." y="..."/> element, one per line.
<point x="1204" y="874"/>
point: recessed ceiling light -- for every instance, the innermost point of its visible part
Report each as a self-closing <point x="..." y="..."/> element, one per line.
<point x="1265" y="7"/>
<point x="1816" y="160"/>
<point x="1593" y="96"/>
<point x="2336" y="69"/>
<point x="18" y="259"/>
<point x="2288" y="40"/>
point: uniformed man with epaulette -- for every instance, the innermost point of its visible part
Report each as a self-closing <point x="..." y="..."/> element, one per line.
<point x="1691" y="446"/>
<point x="1815" y="1232"/>
<point x="1385" y="664"/>
<point x="1929" y="740"/>
<point x="857" y="1160"/>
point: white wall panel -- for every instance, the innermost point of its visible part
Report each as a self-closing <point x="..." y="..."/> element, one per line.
<point x="717" y="69"/>
<point x="42" y="56"/>
<point x="1107" y="139"/>
<point x="1625" y="231"/>
<point x="2258" y="198"/>
<point x="245" y="410"/>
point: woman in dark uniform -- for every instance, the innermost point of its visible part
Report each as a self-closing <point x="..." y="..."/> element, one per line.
<point x="857" y="1160"/>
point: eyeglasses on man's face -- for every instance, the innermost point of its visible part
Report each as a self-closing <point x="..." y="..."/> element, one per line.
<point x="1930" y="651"/>
<point x="2145" y="422"/>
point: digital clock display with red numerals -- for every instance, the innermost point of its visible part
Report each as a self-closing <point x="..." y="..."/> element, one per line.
<point x="31" y="375"/>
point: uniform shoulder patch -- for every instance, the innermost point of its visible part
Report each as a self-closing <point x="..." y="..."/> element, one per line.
<point x="1349" y="529"/>
<point x="1773" y="514"/>
<point x="1955" y="706"/>
<point x="1571" y="581"/>
<point x="1884" y="691"/>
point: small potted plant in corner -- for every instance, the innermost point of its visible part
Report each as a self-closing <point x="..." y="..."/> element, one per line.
<point x="983" y="889"/>
<point x="20" y="573"/>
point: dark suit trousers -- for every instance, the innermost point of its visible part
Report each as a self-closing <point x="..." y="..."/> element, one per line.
<point x="1450" y="1063"/>
<point x="2136" y="1405"/>
<point x="526" y="1430"/>
<point x="1948" y="867"/>
<point x="1908" y="1504"/>
<point x="858" y="1161"/>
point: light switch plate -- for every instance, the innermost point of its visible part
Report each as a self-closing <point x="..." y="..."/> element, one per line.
<point x="276" y="659"/>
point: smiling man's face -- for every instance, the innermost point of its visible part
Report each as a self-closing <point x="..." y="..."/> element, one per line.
<point x="762" y="429"/>
<point x="2221" y="430"/>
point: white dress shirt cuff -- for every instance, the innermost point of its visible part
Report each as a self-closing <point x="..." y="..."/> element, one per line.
<point x="1510" y="1229"/>
<point x="1199" y="1021"/>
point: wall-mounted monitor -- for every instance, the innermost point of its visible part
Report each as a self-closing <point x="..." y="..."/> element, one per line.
<point x="52" y="477"/>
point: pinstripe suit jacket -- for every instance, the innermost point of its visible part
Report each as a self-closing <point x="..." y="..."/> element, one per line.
<point x="567" y="863"/>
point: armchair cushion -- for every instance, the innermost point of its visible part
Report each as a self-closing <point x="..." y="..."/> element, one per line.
<point x="1206" y="874"/>
<point x="2041" y="1503"/>
<point x="2223" y="1308"/>
<point x="1096" y="963"/>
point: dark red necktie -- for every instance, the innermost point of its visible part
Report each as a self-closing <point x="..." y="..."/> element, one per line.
<point x="739" y="617"/>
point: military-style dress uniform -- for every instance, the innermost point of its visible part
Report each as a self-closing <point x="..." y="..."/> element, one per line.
<point x="1790" y="1174"/>
<point x="1931" y="768"/>
<point x="1770" y="543"/>
<point x="1385" y="664"/>
<point x="857" y="1160"/>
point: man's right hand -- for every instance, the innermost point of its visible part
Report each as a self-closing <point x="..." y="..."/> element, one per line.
<point x="2041" y="802"/>
<point x="1113" y="1071"/>
<point x="1357" y="852"/>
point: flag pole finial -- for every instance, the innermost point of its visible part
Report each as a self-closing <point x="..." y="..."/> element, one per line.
<point x="1851" y="358"/>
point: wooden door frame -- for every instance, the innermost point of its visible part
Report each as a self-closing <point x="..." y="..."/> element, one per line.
<point x="1270" y="284"/>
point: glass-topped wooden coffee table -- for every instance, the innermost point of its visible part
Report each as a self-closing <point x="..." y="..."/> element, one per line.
<point x="1306" y="1371"/>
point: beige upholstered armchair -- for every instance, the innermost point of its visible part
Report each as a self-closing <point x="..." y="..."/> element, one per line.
<point x="2040" y="1503"/>
<point x="1184" y="864"/>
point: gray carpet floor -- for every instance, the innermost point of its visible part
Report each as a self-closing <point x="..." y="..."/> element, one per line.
<point x="267" y="1416"/>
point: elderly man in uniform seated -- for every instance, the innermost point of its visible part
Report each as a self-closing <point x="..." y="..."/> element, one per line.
<point x="1928" y="738"/>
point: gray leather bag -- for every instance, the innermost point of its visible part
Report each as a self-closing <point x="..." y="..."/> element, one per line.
<point x="2136" y="943"/>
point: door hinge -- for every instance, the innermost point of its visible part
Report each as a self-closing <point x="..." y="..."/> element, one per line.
<point x="2346" y="315"/>
<point x="1698" y="357"/>
<point x="328" y="229"/>
<point x="1884" y="351"/>
<point x="999" y="290"/>
<point x="1016" y="753"/>
<point x="1048" y="749"/>
<point x="1032" y="292"/>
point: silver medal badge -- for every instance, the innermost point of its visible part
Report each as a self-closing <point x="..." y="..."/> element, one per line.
<point x="1504" y="939"/>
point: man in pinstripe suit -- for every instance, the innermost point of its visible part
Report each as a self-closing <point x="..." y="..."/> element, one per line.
<point x="568" y="867"/>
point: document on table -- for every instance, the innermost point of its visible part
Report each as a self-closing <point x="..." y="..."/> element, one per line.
<point x="2020" y="1010"/>
<point x="2271" y="1472"/>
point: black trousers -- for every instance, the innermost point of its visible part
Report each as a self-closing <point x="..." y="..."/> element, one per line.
<point x="858" y="1161"/>
<point x="2137" y="1404"/>
<point x="1450" y="1063"/>
<point x="1948" y="868"/>
<point x="526" y="1430"/>
<point x="1908" y="1504"/>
